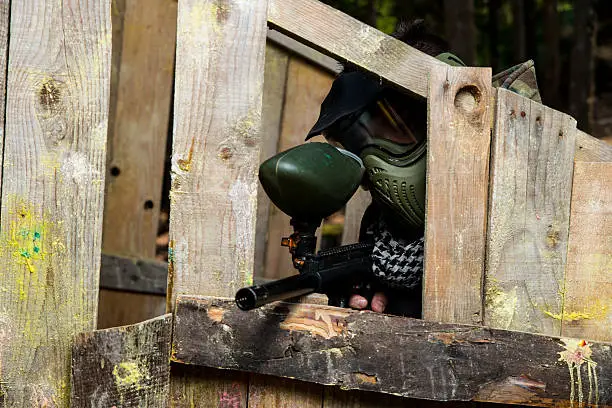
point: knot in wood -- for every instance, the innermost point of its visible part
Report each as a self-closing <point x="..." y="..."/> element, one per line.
<point x="49" y="95"/>
<point x="467" y="98"/>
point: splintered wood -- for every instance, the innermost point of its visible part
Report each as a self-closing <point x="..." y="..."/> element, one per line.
<point x="532" y="162"/>
<point x="458" y="140"/>
<point x="390" y="354"/>
<point x="123" y="366"/>
<point x="53" y="191"/>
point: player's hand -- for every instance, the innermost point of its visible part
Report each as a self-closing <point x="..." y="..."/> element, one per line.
<point x="378" y="304"/>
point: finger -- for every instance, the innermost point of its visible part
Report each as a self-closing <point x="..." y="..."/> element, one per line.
<point x="379" y="302"/>
<point x="358" y="302"/>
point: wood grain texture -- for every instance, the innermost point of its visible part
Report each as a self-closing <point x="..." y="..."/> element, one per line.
<point x="216" y="144"/>
<point x="133" y="275"/>
<point x="353" y="214"/>
<point x="590" y="149"/>
<point x="52" y="192"/>
<point x="307" y="86"/>
<point x="344" y="38"/>
<point x="587" y="310"/>
<point x="219" y="84"/>
<point x="458" y="139"/>
<point x="271" y="392"/>
<point x="389" y="354"/>
<point x="532" y="163"/>
<point x="195" y="387"/>
<point x="124" y="366"/>
<point x="292" y="46"/>
<point x="140" y="118"/>
<point x="275" y="80"/>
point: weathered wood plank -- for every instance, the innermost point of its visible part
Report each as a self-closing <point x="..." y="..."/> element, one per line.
<point x="137" y="142"/>
<point x="310" y="54"/>
<point x="532" y="165"/>
<point x="133" y="275"/>
<point x="590" y="149"/>
<point x="459" y="132"/>
<point x="307" y="86"/>
<point x="52" y="193"/>
<point x="353" y="214"/>
<point x="344" y="38"/>
<point x="124" y="366"/>
<point x="388" y="354"/>
<point x="271" y="392"/>
<point x="275" y="80"/>
<point x="587" y="310"/>
<point x="219" y="83"/>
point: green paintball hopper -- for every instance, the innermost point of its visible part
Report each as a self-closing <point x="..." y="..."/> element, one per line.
<point x="311" y="181"/>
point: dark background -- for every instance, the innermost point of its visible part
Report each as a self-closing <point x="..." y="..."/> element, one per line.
<point x="570" y="42"/>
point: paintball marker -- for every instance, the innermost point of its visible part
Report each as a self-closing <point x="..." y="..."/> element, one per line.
<point x="310" y="182"/>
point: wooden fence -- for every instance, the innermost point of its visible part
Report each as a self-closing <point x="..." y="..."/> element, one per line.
<point x="518" y="236"/>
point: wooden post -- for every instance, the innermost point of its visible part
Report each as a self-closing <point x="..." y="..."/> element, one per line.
<point x="459" y="131"/>
<point x="220" y="60"/>
<point x="52" y="192"/>
<point x="143" y="56"/>
<point x="532" y="162"/>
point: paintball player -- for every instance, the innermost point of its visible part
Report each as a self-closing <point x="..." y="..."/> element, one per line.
<point x="387" y="129"/>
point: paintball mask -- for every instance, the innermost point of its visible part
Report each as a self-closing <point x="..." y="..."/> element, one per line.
<point x="374" y="123"/>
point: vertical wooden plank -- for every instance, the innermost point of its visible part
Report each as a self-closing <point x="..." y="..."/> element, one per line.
<point x="587" y="311"/>
<point x="353" y="214"/>
<point x="272" y="392"/>
<point x="307" y="86"/>
<point x="532" y="162"/>
<point x="137" y="143"/>
<point x="52" y="193"/>
<point x="275" y="79"/>
<point x="219" y="79"/>
<point x="459" y="130"/>
<point x="144" y="34"/>
<point x="123" y="366"/>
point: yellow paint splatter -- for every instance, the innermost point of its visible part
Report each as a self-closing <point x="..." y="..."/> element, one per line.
<point x="596" y="311"/>
<point x="575" y="353"/>
<point x="500" y="305"/>
<point x="128" y="374"/>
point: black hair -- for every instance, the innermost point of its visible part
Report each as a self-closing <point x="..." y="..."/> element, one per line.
<point x="417" y="34"/>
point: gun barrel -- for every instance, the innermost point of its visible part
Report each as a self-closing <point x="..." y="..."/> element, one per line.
<point x="255" y="296"/>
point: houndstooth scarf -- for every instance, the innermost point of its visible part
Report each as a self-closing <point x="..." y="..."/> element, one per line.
<point x="396" y="262"/>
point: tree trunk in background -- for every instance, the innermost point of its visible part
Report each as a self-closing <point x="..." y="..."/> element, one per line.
<point x="552" y="61"/>
<point x="531" y="43"/>
<point x="493" y="35"/>
<point x="518" y="17"/>
<point x="461" y="29"/>
<point x="582" y="65"/>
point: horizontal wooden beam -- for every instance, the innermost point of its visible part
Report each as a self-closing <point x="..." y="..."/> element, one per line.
<point x="346" y="39"/>
<point x="393" y="355"/>
<point x="133" y="275"/>
<point x="591" y="149"/>
<point x="311" y="55"/>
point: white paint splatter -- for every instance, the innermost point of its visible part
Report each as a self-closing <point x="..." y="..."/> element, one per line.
<point x="75" y="167"/>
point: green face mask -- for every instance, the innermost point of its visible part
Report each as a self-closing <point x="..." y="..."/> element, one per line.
<point x="393" y="154"/>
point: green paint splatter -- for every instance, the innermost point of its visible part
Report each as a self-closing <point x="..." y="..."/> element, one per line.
<point x="24" y="253"/>
<point x="36" y="249"/>
<point x="36" y="235"/>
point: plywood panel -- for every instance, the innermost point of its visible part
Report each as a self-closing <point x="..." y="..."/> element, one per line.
<point x="458" y="138"/>
<point x="587" y="311"/>
<point x="52" y="192"/>
<point x="532" y="165"/>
